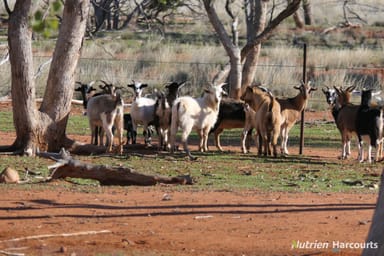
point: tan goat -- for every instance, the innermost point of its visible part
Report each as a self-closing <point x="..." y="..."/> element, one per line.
<point x="291" y="109"/>
<point x="268" y="117"/>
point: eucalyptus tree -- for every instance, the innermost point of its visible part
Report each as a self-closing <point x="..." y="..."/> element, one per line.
<point x="243" y="61"/>
<point x="43" y="127"/>
<point x="118" y="14"/>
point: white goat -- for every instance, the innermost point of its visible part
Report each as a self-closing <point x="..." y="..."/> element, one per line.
<point x="107" y="111"/>
<point x="291" y="109"/>
<point x="199" y="114"/>
<point x="142" y="111"/>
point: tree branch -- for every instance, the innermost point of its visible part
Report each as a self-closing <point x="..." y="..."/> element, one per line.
<point x="291" y="8"/>
<point x="66" y="166"/>
<point x="7" y="7"/>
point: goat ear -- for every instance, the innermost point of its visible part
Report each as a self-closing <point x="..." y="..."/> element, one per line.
<point x="298" y="87"/>
<point x="131" y="85"/>
<point x="181" y="84"/>
<point x="90" y="89"/>
<point x="325" y="90"/>
<point x="142" y="86"/>
<point x="312" y="89"/>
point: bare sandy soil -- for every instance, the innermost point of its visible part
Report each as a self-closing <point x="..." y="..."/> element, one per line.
<point x="138" y="221"/>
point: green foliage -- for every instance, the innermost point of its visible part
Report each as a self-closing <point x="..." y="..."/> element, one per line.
<point x="45" y="22"/>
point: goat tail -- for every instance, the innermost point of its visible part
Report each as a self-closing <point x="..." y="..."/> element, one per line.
<point x="272" y="99"/>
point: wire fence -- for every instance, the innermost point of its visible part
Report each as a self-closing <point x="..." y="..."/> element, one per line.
<point x="279" y="77"/>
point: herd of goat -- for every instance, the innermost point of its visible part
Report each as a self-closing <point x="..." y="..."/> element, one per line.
<point x="258" y="110"/>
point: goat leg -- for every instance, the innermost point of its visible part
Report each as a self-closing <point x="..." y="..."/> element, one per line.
<point x="217" y="139"/>
<point x="243" y="138"/>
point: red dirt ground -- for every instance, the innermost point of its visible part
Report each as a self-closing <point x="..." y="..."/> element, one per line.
<point x="137" y="221"/>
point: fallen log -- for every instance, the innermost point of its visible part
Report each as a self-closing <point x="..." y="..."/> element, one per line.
<point x="66" y="166"/>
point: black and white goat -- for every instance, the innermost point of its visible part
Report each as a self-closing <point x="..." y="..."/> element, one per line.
<point x="231" y="116"/>
<point x="163" y="111"/>
<point x="87" y="91"/>
<point x="369" y="121"/>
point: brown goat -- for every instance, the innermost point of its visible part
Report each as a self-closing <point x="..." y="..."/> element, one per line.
<point x="268" y="117"/>
<point x="290" y="111"/>
<point x="345" y="118"/>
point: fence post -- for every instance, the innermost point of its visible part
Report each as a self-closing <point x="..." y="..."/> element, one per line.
<point x="302" y="112"/>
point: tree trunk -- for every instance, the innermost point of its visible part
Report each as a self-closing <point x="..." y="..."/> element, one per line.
<point x="25" y="114"/>
<point x="116" y="14"/>
<point x="298" y="20"/>
<point x="60" y="85"/>
<point x="44" y="129"/>
<point x="375" y="237"/>
<point x="232" y="50"/>
<point x="256" y="16"/>
<point x="307" y="12"/>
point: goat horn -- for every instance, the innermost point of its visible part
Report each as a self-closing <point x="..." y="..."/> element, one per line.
<point x="104" y="82"/>
<point x="351" y="88"/>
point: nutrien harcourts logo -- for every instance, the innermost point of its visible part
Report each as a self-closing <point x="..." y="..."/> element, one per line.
<point x="334" y="245"/>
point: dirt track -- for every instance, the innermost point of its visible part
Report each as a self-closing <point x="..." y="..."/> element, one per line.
<point x="138" y="221"/>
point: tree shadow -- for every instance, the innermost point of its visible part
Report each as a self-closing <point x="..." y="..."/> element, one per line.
<point x="174" y="209"/>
